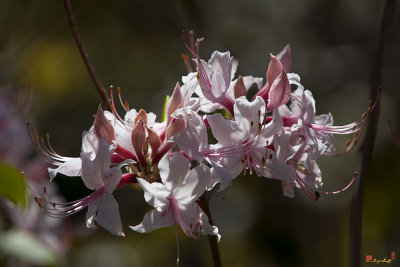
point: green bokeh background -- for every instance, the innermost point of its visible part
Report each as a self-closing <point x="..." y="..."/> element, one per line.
<point x="137" y="45"/>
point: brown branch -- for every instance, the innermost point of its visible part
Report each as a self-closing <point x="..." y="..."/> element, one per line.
<point x="212" y="239"/>
<point x="369" y="140"/>
<point x="99" y="86"/>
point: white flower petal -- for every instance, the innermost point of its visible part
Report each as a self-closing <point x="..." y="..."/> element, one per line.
<point x="250" y="80"/>
<point x="247" y="112"/>
<point x="208" y="229"/>
<point x="223" y="174"/>
<point x="227" y="132"/>
<point x="221" y="66"/>
<point x="195" y="221"/>
<point x="287" y="190"/>
<point x="93" y="170"/>
<point x="194" y="126"/>
<point x="155" y="194"/>
<point x="130" y="117"/>
<point x="108" y="215"/>
<point x="173" y="170"/>
<point x="103" y="156"/>
<point x="71" y="167"/>
<point x="112" y="177"/>
<point x="123" y="136"/>
<point x="91" y="176"/>
<point x="155" y="219"/>
<point x="90" y="143"/>
<point x="91" y="213"/>
<point x="194" y="184"/>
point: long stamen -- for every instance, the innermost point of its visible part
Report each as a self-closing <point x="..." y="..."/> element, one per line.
<point x="178" y="217"/>
<point x="177" y="243"/>
<point x="351" y="143"/>
<point x="125" y="104"/>
<point x="343" y="129"/>
<point x="256" y="165"/>
<point x="348" y="128"/>
<point x="238" y="149"/>
<point x="114" y="110"/>
<point x="341" y="190"/>
<point x="191" y="39"/>
<point x="191" y="50"/>
<point x="59" y="210"/>
<point x="232" y="150"/>
<point x="186" y="61"/>
<point x="244" y="148"/>
<point x="347" y="147"/>
<point x="306" y="190"/>
<point x="200" y="66"/>
<point x="45" y="150"/>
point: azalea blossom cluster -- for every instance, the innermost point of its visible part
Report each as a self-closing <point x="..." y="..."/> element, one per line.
<point x="274" y="134"/>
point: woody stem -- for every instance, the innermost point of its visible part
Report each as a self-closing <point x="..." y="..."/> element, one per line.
<point x="96" y="80"/>
<point x="368" y="144"/>
<point x="212" y="239"/>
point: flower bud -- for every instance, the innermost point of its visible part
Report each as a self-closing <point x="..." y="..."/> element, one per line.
<point x="103" y="128"/>
<point x="239" y="89"/>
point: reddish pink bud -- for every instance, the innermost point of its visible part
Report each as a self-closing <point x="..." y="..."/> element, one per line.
<point x="279" y="92"/>
<point x="276" y="91"/>
<point x="102" y="127"/>
<point x="141" y="116"/>
<point x="154" y="141"/>
<point x="174" y="103"/>
<point x="239" y="89"/>
<point x="285" y="58"/>
<point x="274" y="70"/>
<point x="138" y="140"/>
<point x="176" y="125"/>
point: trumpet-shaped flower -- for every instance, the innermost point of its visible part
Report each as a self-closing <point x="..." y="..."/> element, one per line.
<point x="217" y="87"/>
<point x="246" y="140"/>
<point x="175" y="199"/>
<point x="193" y="141"/>
<point x="97" y="174"/>
<point x="276" y="91"/>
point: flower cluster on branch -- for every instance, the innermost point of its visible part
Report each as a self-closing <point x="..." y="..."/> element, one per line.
<point x="274" y="134"/>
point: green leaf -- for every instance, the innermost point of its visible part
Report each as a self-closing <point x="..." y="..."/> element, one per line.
<point x="226" y="114"/>
<point x="12" y="185"/>
<point x="26" y="246"/>
<point x="163" y="117"/>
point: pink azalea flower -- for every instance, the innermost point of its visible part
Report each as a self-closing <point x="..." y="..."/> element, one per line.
<point x="215" y="85"/>
<point x="97" y="174"/>
<point x="276" y="91"/>
<point x="175" y="198"/>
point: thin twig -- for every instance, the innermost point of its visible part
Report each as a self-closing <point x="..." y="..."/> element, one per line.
<point x="368" y="144"/>
<point x="212" y="239"/>
<point x="99" y="86"/>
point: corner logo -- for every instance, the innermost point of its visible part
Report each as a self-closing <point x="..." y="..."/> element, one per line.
<point x="369" y="258"/>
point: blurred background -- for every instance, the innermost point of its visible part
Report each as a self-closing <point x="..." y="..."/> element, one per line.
<point x="137" y="45"/>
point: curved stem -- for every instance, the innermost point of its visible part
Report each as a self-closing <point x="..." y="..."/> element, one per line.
<point x="99" y="86"/>
<point x="212" y="239"/>
<point x="368" y="144"/>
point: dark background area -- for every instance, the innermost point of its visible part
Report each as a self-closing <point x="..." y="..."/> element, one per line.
<point x="137" y="45"/>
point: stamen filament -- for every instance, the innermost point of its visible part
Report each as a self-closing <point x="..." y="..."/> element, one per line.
<point x="114" y="110"/>
<point x="341" y="190"/>
<point x="59" y="210"/>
